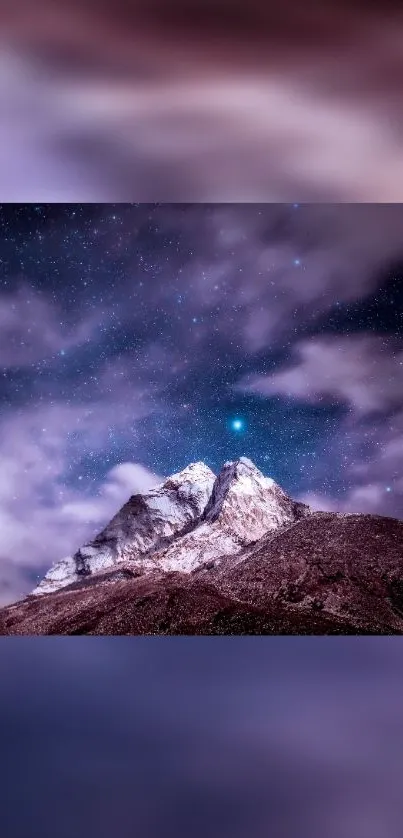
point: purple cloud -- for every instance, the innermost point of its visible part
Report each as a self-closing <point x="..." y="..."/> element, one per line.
<point x="361" y="371"/>
<point x="30" y="328"/>
<point x="42" y="518"/>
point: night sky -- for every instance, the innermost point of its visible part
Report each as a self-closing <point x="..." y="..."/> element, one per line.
<point x="135" y="339"/>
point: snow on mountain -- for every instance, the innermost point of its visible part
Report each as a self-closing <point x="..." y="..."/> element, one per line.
<point x="144" y="522"/>
<point x="243" y="506"/>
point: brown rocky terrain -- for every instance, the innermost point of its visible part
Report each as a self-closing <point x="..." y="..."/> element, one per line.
<point x="171" y="604"/>
<point x="350" y="566"/>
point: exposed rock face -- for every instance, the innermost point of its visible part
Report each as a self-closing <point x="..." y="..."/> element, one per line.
<point x="144" y="522"/>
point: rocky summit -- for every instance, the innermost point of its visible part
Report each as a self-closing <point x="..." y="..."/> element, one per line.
<point x="225" y="554"/>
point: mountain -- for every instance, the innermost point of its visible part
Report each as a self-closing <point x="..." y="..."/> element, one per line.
<point x="243" y="506"/>
<point x="231" y="554"/>
<point x="144" y="523"/>
<point x="190" y="518"/>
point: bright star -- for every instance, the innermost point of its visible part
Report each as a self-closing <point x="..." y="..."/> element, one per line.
<point x="237" y="424"/>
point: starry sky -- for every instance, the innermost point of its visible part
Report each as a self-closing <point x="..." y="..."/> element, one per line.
<point x="201" y="100"/>
<point x="138" y="338"/>
<point x="225" y="737"/>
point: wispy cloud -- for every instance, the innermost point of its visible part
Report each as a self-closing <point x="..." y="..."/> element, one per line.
<point x="31" y="329"/>
<point x="364" y="375"/>
<point x="361" y="371"/>
<point x="42" y="517"/>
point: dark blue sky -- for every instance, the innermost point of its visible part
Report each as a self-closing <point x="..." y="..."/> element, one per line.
<point x="134" y="336"/>
<point x="225" y="737"/>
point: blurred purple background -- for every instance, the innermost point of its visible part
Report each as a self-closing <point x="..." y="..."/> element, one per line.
<point x="203" y="101"/>
<point x="226" y="738"/>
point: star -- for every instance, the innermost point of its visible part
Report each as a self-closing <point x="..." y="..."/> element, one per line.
<point x="237" y="425"/>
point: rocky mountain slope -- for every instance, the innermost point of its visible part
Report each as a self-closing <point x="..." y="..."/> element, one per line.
<point x="159" y="604"/>
<point x="226" y="555"/>
<point x="350" y="566"/>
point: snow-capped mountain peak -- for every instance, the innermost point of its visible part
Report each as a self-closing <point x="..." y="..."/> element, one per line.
<point x="143" y="523"/>
<point x="190" y="518"/>
<point x="241" y="477"/>
<point x="243" y="506"/>
<point x="192" y="485"/>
